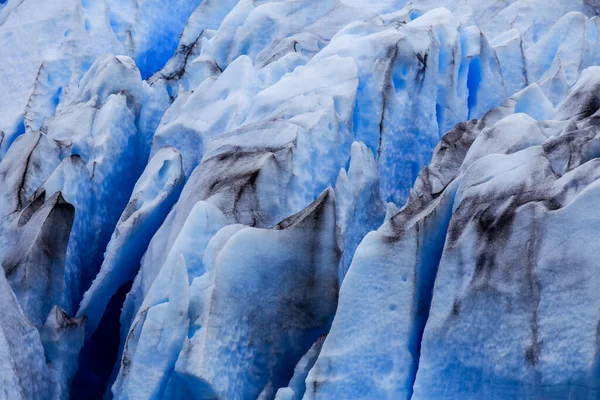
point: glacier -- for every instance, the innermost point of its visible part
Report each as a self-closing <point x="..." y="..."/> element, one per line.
<point x="299" y="199"/>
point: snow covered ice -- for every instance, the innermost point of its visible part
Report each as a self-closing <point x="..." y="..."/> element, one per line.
<point x="308" y="199"/>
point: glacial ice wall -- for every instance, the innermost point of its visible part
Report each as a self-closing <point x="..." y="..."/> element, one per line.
<point x="311" y="199"/>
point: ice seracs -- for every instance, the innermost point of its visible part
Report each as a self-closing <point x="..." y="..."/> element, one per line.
<point x="285" y="200"/>
<point x="284" y="282"/>
<point x="62" y="338"/>
<point x="482" y="245"/>
<point x="153" y="196"/>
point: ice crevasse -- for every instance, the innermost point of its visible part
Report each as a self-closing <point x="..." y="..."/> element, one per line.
<point x="312" y="199"/>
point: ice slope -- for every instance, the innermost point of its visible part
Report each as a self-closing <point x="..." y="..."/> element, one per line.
<point x="153" y="195"/>
<point x="25" y="374"/>
<point x="464" y="293"/>
<point x="62" y="338"/>
<point x="44" y="47"/>
<point x="554" y="359"/>
<point x="148" y="29"/>
<point x="36" y="365"/>
<point x="288" y="300"/>
<point x="47" y="47"/>
<point x="198" y="184"/>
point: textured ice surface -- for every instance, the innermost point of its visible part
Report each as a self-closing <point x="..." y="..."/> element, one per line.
<point x="286" y="298"/>
<point x="62" y="338"/>
<point x="153" y="195"/>
<point x="477" y="262"/>
<point x="318" y="199"/>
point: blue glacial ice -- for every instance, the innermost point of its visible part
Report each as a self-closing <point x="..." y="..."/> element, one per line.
<point x="312" y="199"/>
